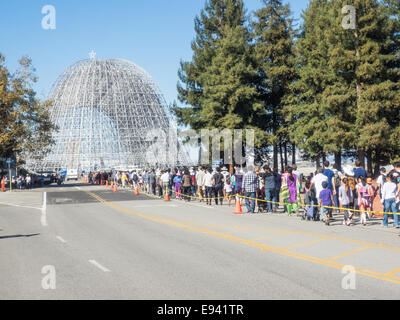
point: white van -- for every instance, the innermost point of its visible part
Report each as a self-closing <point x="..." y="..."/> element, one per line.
<point x="72" y="174"/>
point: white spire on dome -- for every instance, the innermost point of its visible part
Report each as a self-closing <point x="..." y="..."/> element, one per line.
<point x="92" y="54"/>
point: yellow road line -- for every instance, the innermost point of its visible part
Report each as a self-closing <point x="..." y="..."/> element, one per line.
<point x="325" y="262"/>
<point x="351" y="252"/>
<point x="393" y="272"/>
<point x="305" y="243"/>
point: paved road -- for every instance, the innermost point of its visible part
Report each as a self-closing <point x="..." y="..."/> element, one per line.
<point x="105" y="245"/>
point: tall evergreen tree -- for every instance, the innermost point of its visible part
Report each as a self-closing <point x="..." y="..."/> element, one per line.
<point x="377" y="75"/>
<point x="346" y="96"/>
<point x="218" y="87"/>
<point x="273" y="35"/>
<point x="303" y="104"/>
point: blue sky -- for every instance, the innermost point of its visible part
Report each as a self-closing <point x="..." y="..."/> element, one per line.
<point x="155" y="34"/>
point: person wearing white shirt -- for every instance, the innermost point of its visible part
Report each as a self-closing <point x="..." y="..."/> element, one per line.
<point x="208" y="186"/>
<point x="200" y="177"/>
<point x="165" y="177"/>
<point x="389" y="193"/>
<point x="317" y="182"/>
<point x="381" y="180"/>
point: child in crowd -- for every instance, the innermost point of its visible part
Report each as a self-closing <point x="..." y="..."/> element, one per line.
<point x="364" y="193"/>
<point x="346" y="201"/>
<point x="228" y="191"/>
<point x="310" y="202"/>
<point x="326" y="200"/>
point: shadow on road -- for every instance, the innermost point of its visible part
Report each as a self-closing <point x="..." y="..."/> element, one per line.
<point x="20" y="236"/>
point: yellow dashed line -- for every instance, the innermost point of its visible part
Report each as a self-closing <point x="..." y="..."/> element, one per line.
<point x="351" y="252"/>
<point x="393" y="272"/>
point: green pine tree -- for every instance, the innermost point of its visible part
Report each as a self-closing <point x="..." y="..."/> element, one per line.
<point x="219" y="85"/>
<point x="273" y="34"/>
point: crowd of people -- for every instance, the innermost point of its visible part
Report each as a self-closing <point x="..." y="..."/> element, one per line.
<point x="25" y="181"/>
<point x="315" y="197"/>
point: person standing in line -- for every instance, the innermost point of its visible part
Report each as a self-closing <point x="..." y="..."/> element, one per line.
<point x="364" y="194"/>
<point x="316" y="182"/>
<point x="331" y="179"/>
<point x="292" y="184"/>
<point x="326" y="201"/>
<point x="228" y="191"/>
<point x="165" y="181"/>
<point x="200" y="176"/>
<point x="218" y="185"/>
<point x="359" y="171"/>
<point x="346" y="200"/>
<point x="298" y="174"/>
<point x="270" y="189"/>
<point x="278" y="184"/>
<point x="152" y="182"/>
<point x="337" y="178"/>
<point x="193" y="188"/>
<point x="186" y="185"/>
<point x="178" y="183"/>
<point x="389" y="193"/>
<point x="381" y="181"/>
<point x="310" y="202"/>
<point x="124" y="179"/>
<point x="238" y="182"/>
<point x="208" y="186"/>
<point x="250" y="185"/>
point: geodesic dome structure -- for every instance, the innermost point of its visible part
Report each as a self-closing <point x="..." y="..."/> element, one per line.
<point x="110" y="114"/>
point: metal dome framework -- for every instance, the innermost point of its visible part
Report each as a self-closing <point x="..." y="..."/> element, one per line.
<point x="110" y="114"/>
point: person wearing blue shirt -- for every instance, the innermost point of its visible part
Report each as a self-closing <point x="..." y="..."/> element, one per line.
<point x="359" y="171"/>
<point x="330" y="175"/>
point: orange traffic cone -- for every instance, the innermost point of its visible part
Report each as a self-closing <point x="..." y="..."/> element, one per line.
<point x="238" y="207"/>
<point x="106" y="183"/>
<point x="115" y="188"/>
<point x="136" y="191"/>
<point x="101" y="183"/>
<point x="167" y="196"/>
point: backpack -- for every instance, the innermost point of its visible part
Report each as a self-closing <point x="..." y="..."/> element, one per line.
<point x="351" y="181"/>
<point x="337" y="179"/>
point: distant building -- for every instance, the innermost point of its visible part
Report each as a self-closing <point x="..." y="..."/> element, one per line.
<point x="110" y="114"/>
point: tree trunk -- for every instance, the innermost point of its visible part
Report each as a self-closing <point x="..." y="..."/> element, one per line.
<point x="293" y="153"/>
<point x="369" y="162"/>
<point x="323" y="157"/>
<point x="281" y="152"/>
<point x="318" y="162"/>
<point x="276" y="162"/>
<point x="338" y="160"/>
<point x="377" y="167"/>
<point x="361" y="157"/>
<point x="286" y="153"/>
<point x="361" y="153"/>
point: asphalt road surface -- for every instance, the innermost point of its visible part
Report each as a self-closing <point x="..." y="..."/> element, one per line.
<point x="87" y="242"/>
